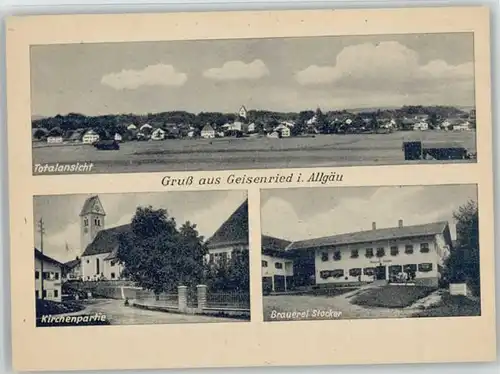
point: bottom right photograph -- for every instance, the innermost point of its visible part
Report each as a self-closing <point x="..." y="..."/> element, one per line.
<point x="333" y="253"/>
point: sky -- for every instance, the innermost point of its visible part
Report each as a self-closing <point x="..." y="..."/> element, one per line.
<point x="280" y="74"/>
<point x="307" y="213"/>
<point x="60" y="213"/>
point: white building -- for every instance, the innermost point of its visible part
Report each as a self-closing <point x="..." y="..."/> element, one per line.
<point x="118" y="137"/>
<point x="48" y="274"/>
<point x="379" y="254"/>
<point x="90" y="137"/>
<point x="243" y="112"/>
<point x="283" y="130"/>
<point x="100" y="245"/>
<point x="277" y="265"/>
<point x="421" y="126"/>
<point x="131" y="127"/>
<point x="158" y="134"/>
<point x="208" y="132"/>
<point x="54" y="139"/>
<point x="230" y="238"/>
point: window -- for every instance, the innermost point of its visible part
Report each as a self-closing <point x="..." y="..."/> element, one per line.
<point x="395" y="269"/>
<point x="354" y="253"/>
<point x="37" y="274"/>
<point x="369" y="271"/>
<point x="113" y="275"/>
<point x="408" y="249"/>
<point x="424" y="268"/>
<point x="424" y="248"/>
<point x="85" y="222"/>
<point x="411" y="268"/>
<point x="56" y="293"/>
<point x="113" y="263"/>
<point x="369" y="252"/>
<point x="56" y="276"/>
<point x="324" y="256"/>
<point x="88" y="261"/>
<point x="278" y="265"/>
<point x="37" y="294"/>
<point x="337" y="256"/>
<point x="97" y="222"/>
<point x="46" y="275"/>
<point x="380" y="252"/>
<point x="324" y="274"/>
<point x="264" y="264"/>
<point x="394" y="250"/>
<point x="356" y="272"/>
<point x="338" y="273"/>
<point x="211" y="258"/>
<point x="44" y="294"/>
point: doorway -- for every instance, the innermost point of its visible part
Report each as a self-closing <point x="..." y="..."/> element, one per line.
<point x="380" y="272"/>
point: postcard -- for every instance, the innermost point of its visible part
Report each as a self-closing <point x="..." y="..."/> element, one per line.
<point x="212" y="189"/>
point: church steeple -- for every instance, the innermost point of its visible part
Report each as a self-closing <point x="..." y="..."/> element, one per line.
<point x="91" y="221"/>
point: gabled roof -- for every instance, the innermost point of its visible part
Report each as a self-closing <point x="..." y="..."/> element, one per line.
<point x="89" y="203"/>
<point x="43" y="257"/>
<point x="271" y="244"/>
<point x="234" y="230"/>
<point x="106" y="241"/>
<point x="371" y="236"/>
<point x="72" y="264"/>
<point x="207" y="128"/>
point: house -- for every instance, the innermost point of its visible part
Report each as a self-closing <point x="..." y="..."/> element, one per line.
<point x="48" y="274"/>
<point x="283" y="130"/>
<point x="72" y="270"/>
<point x="90" y="137"/>
<point x="54" y="139"/>
<point x="118" y="137"/>
<point x="462" y="126"/>
<point x="158" y="134"/>
<point x="420" y="126"/>
<point x="230" y="238"/>
<point x="251" y="127"/>
<point x="132" y="127"/>
<point x="378" y="254"/>
<point x="273" y="134"/>
<point x="208" y="132"/>
<point x="76" y="136"/>
<point x="243" y="112"/>
<point x="100" y="245"/>
<point x="145" y="127"/>
<point x="277" y="264"/>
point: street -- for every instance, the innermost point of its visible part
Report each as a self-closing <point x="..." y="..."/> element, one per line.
<point x="119" y="314"/>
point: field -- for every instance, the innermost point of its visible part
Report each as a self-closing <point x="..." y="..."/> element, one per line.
<point x="247" y="153"/>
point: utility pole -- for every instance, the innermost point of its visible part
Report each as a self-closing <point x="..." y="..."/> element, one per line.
<point x="41" y="230"/>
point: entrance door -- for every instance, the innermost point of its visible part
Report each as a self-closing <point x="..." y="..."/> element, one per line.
<point x="380" y="272"/>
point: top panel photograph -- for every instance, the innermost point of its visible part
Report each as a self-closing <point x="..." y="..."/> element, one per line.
<point x="206" y="105"/>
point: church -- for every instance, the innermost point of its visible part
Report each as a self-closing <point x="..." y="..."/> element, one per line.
<point x="100" y="245"/>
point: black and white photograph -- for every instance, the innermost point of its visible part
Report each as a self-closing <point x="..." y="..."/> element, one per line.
<point x="141" y="258"/>
<point x="270" y="103"/>
<point x="370" y="252"/>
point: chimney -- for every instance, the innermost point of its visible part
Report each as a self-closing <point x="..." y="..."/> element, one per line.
<point x="400" y="223"/>
<point x="374" y="225"/>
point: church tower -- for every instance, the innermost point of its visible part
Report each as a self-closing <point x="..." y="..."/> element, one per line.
<point x="91" y="221"/>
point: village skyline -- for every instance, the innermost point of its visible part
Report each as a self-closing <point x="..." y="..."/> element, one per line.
<point x="277" y="74"/>
<point x="60" y="213"/>
<point x="320" y="212"/>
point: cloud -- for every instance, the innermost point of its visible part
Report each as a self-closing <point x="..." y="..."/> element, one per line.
<point x="387" y="64"/>
<point x="151" y="75"/>
<point x="355" y="209"/>
<point x="236" y="70"/>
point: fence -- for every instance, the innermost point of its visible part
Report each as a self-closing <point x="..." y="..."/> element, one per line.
<point x="231" y="300"/>
<point x="196" y="301"/>
<point x="162" y="299"/>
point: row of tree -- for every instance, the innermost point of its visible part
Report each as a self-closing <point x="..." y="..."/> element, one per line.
<point x="73" y="121"/>
<point x="158" y="256"/>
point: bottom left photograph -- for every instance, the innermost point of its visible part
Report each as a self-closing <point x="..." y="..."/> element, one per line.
<point x="141" y="258"/>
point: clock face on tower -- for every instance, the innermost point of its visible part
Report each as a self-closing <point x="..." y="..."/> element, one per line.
<point x="97" y="209"/>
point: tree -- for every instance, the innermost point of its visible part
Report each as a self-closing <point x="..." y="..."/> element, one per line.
<point x="230" y="275"/>
<point x="157" y="255"/>
<point x="463" y="262"/>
